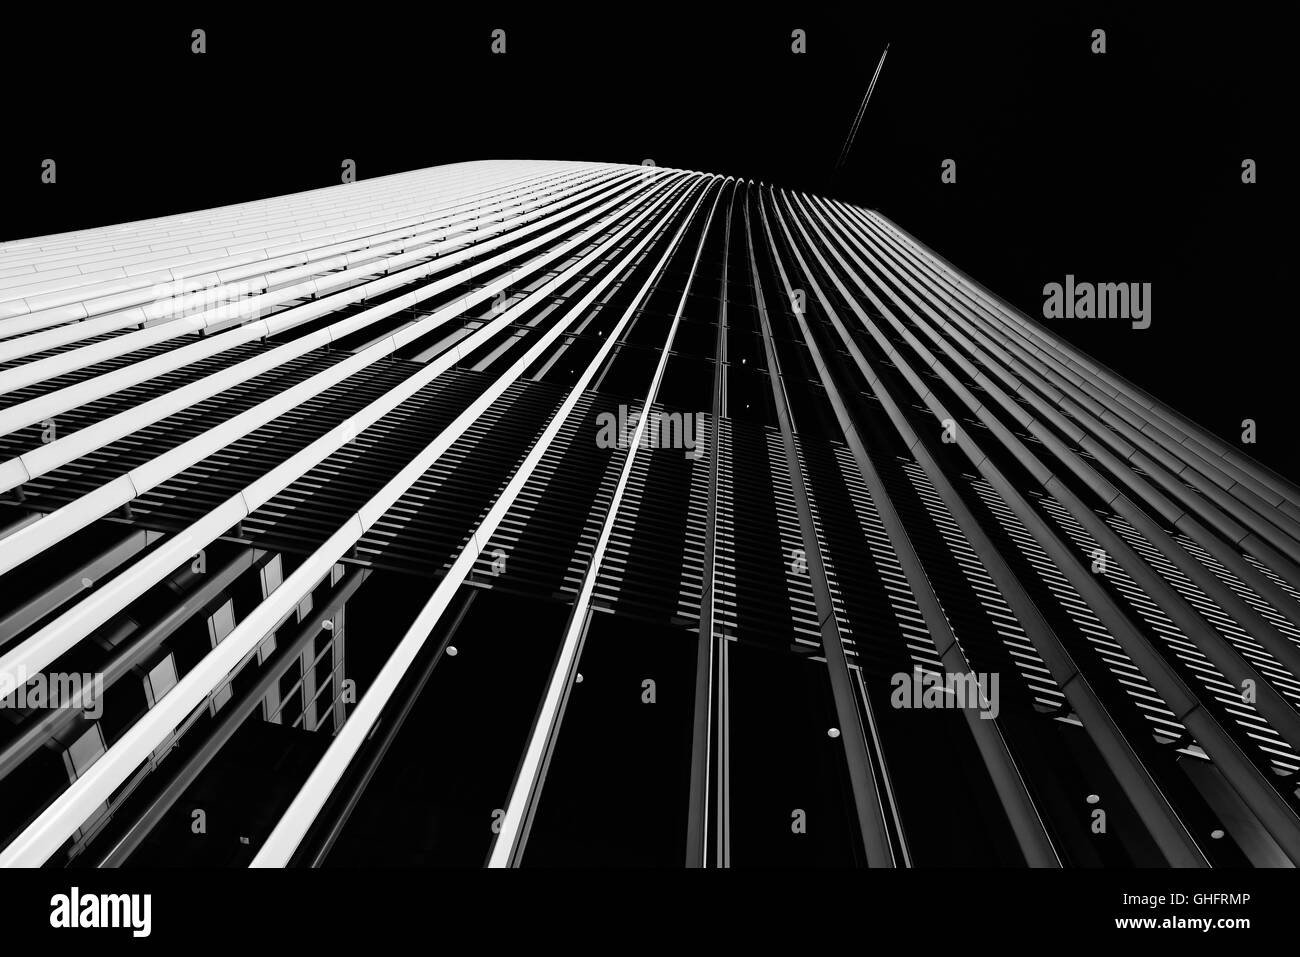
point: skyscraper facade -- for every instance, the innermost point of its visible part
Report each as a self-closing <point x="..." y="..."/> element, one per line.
<point x="534" y="513"/>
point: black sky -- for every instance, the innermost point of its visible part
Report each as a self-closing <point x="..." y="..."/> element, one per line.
<point x="1122" y="167"/>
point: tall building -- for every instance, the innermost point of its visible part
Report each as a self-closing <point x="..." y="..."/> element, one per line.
<point x="542" y="513"/>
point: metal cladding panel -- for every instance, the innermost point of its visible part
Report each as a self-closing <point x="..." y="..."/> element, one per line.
<point x="648" y="475"/>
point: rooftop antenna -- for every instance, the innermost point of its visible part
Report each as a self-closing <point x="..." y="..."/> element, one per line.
<point x="853" y="132"/>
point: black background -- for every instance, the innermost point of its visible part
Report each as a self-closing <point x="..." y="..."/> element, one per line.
<point x="1122" y="167"/>
<point x="764" y="911"/>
